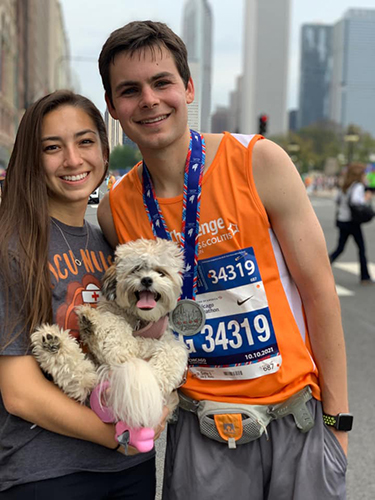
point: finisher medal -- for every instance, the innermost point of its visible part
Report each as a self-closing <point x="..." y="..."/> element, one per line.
<point x="189" y="317"/>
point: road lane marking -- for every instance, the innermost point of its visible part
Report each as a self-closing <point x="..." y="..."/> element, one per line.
<point x="353" y="267"/>
<point x="343" y="292"/>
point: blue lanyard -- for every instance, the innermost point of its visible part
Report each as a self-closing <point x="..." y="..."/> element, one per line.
<point x="190" y="213"/>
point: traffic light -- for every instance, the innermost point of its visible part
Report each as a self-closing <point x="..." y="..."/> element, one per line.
<point x="263" y="119"/>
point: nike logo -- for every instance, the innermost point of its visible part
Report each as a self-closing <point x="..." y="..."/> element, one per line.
<point x="240" y="302"/>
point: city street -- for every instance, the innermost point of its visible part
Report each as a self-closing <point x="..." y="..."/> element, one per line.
<point x="357" y="303"/>
<point x="358" y="307"/>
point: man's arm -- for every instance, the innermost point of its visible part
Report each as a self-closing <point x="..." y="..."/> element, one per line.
<point x="302" y="242"/>
<point x="106" y="221"/>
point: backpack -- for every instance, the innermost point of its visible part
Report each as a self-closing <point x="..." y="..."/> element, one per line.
<point x="361" y="213"/>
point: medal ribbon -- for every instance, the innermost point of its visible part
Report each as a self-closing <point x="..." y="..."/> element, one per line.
<point x="190" y="211"/>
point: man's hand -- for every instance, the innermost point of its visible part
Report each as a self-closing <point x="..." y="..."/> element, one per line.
<point x="342" y="438"/>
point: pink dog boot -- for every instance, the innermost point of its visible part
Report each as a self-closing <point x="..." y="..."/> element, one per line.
<point x="97" y="405"/>
<point x="142" y="439"/>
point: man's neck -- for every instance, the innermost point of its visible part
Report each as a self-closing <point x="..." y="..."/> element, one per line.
<point x="167" y="166"/>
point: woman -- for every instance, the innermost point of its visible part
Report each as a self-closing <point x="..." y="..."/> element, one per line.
<point x="352" y="191"/>
<point x="52" y="260"/>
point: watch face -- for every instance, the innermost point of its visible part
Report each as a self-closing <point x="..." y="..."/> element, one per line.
<point x="344" y="422"/>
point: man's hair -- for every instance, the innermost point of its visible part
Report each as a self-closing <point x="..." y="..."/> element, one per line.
<point x="137" y="36"/>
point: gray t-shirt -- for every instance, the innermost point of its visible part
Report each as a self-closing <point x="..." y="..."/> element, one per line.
<point x="29" y="453"/>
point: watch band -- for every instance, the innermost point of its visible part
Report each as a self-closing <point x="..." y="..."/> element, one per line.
<point x="329" y="420"/>
<point x="341" y="421"/>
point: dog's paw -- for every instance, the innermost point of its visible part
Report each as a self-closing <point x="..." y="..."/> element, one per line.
<point x="60" y="355"/>
<point x="51" y="343"/>
<point x="46" y="338"/>
<point x="86" y="318"/>
<point x="86" y="314"/>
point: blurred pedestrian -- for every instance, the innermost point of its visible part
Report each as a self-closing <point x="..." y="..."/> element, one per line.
<point x="111" y="181"/>
<point x="352" y="192"/>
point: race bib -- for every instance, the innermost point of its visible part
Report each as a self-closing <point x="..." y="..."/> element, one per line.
<point x="238" y="340"/>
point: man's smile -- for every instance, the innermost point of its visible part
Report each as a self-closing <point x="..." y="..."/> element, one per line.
<point x="153" y="120"/>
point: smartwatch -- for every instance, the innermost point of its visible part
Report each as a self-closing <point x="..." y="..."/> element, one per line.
<point x="341" y="421"/>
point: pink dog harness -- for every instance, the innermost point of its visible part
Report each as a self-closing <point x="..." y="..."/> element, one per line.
<point x="153" y="330"/>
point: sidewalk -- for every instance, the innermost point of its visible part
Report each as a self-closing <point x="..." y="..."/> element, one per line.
<point x="323" y="193"/>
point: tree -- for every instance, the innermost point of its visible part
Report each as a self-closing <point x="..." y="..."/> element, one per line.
<point x="311" y="146"/>
<point x="364" y="148"/>
<point x="124" y="157"/>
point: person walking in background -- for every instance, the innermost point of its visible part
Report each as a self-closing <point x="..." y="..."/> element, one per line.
<point x="352" y="192"/>
<point x="52" y="447"/>
<point x="111" y="181"/>
<point x="264" y="333"/>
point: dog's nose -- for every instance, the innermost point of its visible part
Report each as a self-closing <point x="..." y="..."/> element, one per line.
<point x="146" y="282"/>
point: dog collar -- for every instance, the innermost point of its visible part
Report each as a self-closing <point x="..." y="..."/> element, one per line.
<point x="153" y="330"/>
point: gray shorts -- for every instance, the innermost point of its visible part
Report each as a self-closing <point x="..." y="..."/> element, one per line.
<point x="288" y="466"/>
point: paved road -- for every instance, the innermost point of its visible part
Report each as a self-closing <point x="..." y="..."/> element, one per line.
<point x="358" y="304"/>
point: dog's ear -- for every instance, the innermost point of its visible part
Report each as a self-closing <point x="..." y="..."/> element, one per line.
<point x="109" y="283"/>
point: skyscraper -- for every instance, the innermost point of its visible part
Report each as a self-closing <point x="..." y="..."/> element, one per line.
<point x="266" y="50"/>
<point x="353" y="75"/>
<point x="33" y="44"/>
<point x="315" y="74"/>
<point x="8" y="85"/>
<point x="197" y="35"/>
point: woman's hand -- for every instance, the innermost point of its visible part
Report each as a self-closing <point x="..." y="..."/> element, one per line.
<point x="161" y="426"/>
<point x="131" y="450"/>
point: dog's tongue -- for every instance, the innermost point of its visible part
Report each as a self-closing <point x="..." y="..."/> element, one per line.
<point x="146" y="300"/>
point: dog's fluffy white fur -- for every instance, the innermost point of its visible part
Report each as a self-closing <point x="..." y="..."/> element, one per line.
<point x="143" y="373"/>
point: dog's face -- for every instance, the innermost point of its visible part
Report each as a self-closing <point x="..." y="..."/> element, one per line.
<point x="146" y="278"/>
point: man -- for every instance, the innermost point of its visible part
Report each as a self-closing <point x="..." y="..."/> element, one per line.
<point x="259" y="312"/>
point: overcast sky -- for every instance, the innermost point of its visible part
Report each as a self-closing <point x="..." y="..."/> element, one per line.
<point x="89" y="23"/>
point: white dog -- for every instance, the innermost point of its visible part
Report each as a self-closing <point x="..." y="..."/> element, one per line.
<point x="130" y="343"/>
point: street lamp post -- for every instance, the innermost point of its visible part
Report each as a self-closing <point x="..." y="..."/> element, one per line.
<point x="351" y="139"/>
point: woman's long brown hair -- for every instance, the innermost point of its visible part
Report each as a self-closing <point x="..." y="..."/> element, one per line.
<point x="354" y="173"/>
<point x="24" y="218"/>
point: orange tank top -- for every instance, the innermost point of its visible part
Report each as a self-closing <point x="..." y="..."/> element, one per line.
<point x="255" y="347"/>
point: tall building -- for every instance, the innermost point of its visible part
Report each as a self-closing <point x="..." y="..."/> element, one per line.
<point x="315" y="74"/>
<point x="194" y="108"/>
<point x="220" y="120"/>
<point x="353" y="75"/>
<point x="293" y="114"/>
<point x="47" y="49"/>
<point x="59" y="50"/>
<point x="266" y="59"/>
<point x="235" y="107"/>
<point x="116" y="136"/>
<point x="197" y="35"/>
<point x="8" y="49"/>
<point x="34" y="60"/>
